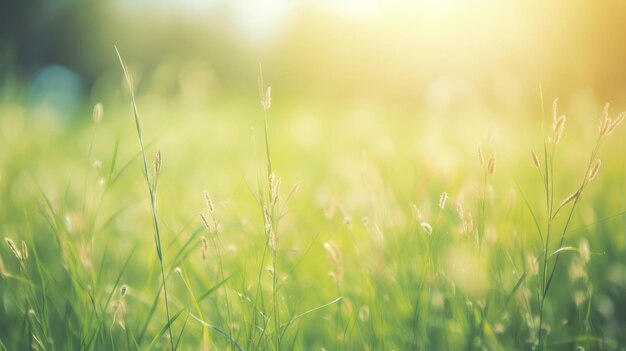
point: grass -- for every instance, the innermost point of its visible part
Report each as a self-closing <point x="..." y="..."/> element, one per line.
<point x="367" y="249"/>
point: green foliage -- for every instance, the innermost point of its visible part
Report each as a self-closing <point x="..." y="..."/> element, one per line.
<point x="365" y="254"/>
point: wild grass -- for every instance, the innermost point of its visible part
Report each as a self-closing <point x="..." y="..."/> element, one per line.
<point x="360" y="252"/>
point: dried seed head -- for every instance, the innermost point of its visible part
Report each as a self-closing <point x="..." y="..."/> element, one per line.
<point x="442" y="200"/>
<point x="616" y="123"/>
<point x="270" y="269"/>
<point x="558" y="128"/>
<point x="332" y="276"/>
<point x="204" y="247"/>
<point x="491" y="166"/>
<point x="24" y="250"/>
<point x="98" y="111"/>
<point x="97" y="165"/>
<point x="364" y="314"/>
<point x="3" y="270"/>
<point x="205" y="222"/>
<point x="459" y="210"/>
<point x="13" y="248"/>
<point x="178" y="270"/>
<point x="157" y="162"/>
<point x="269" y="230"/>
<point x="605" y="111"/>
<point x="583" y="250"/>
<point x="209" y="202"/>
<point x="571" y="197"/>
<point x="427" y="228"/>
<point x="481" y="158"/>
<point x="123" y="290"/>
<point x="605" y="126"/>
<point x="346" y="305"/>
<point x="554" y="110"/>
<point x="535" y="159"/>
<point x="272" y="178"/>
<point x="594" y="171"/>
<point x="275" y="191"/>
<point x="267" y="98"/>
<point x="347" y="220"/>
<point x="333" y="251"/>
<point x="294" y="190"/>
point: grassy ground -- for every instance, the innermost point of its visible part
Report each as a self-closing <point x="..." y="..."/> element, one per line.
<point x="294" y="226"/>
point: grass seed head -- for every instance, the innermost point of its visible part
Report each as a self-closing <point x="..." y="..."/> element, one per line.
<point x="157" y="162"/>
<point x="583" y="250"/>
<point x="481" y="158"/>
<point x="275" y="191"/>
<point x="205" y="222"/>
<point x="13" y="248"/>
<point x="3" y="270"/>
<point x="24" y="250"/>
<point x="459" y="210"/>
<point x="442" y="200"/>
<point x="605" y="125"/>
<point x="605" y="111"/>
<point x="570" y="198"/>
<point x="269" y="230"/>
<point x="266" y="101"/>
<point x="209" y="202"/>
<point x="535" y="158"/>
<point x="333" y="251"/>
<point x="559" y="126"/>
<point x="98" y="111"/>
<point x="427" y="228"/>
<point x="294" y="190"/>
<point x="347" y="307"/>
<point x="491" y="166"/>
<point x="616" y="123"/>
<point x="347" y="220"/>
<point x="204" y="247"/>
<point x="364" y="314"/>
<point x="594" y="171"/>
<point x="123" y="290"/>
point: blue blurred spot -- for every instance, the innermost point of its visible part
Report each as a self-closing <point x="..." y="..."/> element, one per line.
<point x="57" y="89"/>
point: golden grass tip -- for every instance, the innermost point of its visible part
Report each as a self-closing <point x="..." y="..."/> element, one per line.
<point x="594" y="171"/>
<point x="13" y="248"/>
<point x="535" y="158"/>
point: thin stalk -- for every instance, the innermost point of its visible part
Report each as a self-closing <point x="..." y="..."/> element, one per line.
<point x="547" y="277"/>
<point x="265" y="100"/>
<point x="152" y="192"/>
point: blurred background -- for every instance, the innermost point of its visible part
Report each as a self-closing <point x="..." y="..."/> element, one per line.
<point x="412" y="55"/>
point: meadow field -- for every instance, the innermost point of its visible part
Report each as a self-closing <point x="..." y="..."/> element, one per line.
<point x="172" y="209"/>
